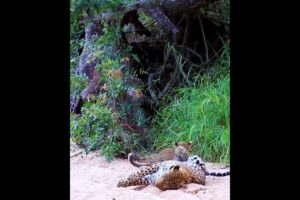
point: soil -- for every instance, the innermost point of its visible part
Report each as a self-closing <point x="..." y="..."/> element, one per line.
<point x="93" y="178"/>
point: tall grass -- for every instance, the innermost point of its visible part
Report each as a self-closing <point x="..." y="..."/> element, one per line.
<point x="199" y="114"/>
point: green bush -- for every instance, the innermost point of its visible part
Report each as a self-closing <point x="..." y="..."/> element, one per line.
<point x="97" y="128"/>
<point x="199" y="114"/>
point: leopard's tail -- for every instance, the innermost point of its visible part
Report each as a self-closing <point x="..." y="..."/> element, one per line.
<point x="220" y="173"/>
<point x="132" y="157"/>
<point x="127" y="183"/>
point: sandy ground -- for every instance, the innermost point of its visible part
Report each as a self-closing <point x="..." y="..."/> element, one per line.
<point x="93" y="178"/>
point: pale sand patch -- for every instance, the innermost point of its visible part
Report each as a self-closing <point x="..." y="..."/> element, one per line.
<point x="93" y="178"/>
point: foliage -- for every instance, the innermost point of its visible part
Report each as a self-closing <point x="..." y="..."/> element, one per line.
<point x="98" y="127"/>
<point x="199" y="114"/>
<point x="226" y="9"/>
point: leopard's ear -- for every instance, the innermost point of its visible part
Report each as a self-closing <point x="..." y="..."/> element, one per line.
<point x="176" y="168"/>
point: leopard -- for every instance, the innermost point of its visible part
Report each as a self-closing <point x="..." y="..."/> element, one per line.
<point x="193" y="170"/>
<point x="171" y="174"/>
<point x="178" y="176"/>
<point x="179" y="153"/>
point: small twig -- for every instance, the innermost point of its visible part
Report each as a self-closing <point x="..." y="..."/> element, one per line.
<point x="186" y="30"/>
<point x="180" y="64"/>
<point x="75" y="154"/>
<point x="206" y="63"/>
<point x="177" y="25"/>
<point x="181" y="19"/>
<point x="204" y="38"/>
<point x="216" y="20"/>
<point x="169" y="84"/>
<point x="216" y="54"/>
<point x="189" y="61"/>
<point x="211" y="47"/>
<point x="127" y="126"/>
<point x="191" y="67"/>
<point x="150" y="85"/>
<point x="192" y="51"/>
<point x="166" y="54"/>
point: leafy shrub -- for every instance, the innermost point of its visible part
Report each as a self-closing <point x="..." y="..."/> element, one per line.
<point x="98" y="126"/>
<point x="199" y="114"/>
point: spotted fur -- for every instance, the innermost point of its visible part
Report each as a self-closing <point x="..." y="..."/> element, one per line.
<point x="180" y="153"/>
<point x="178" y="176"/>
<point x="193" y="170"/>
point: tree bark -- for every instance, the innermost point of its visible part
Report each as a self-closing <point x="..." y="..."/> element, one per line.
<point x="87" y="66"/>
